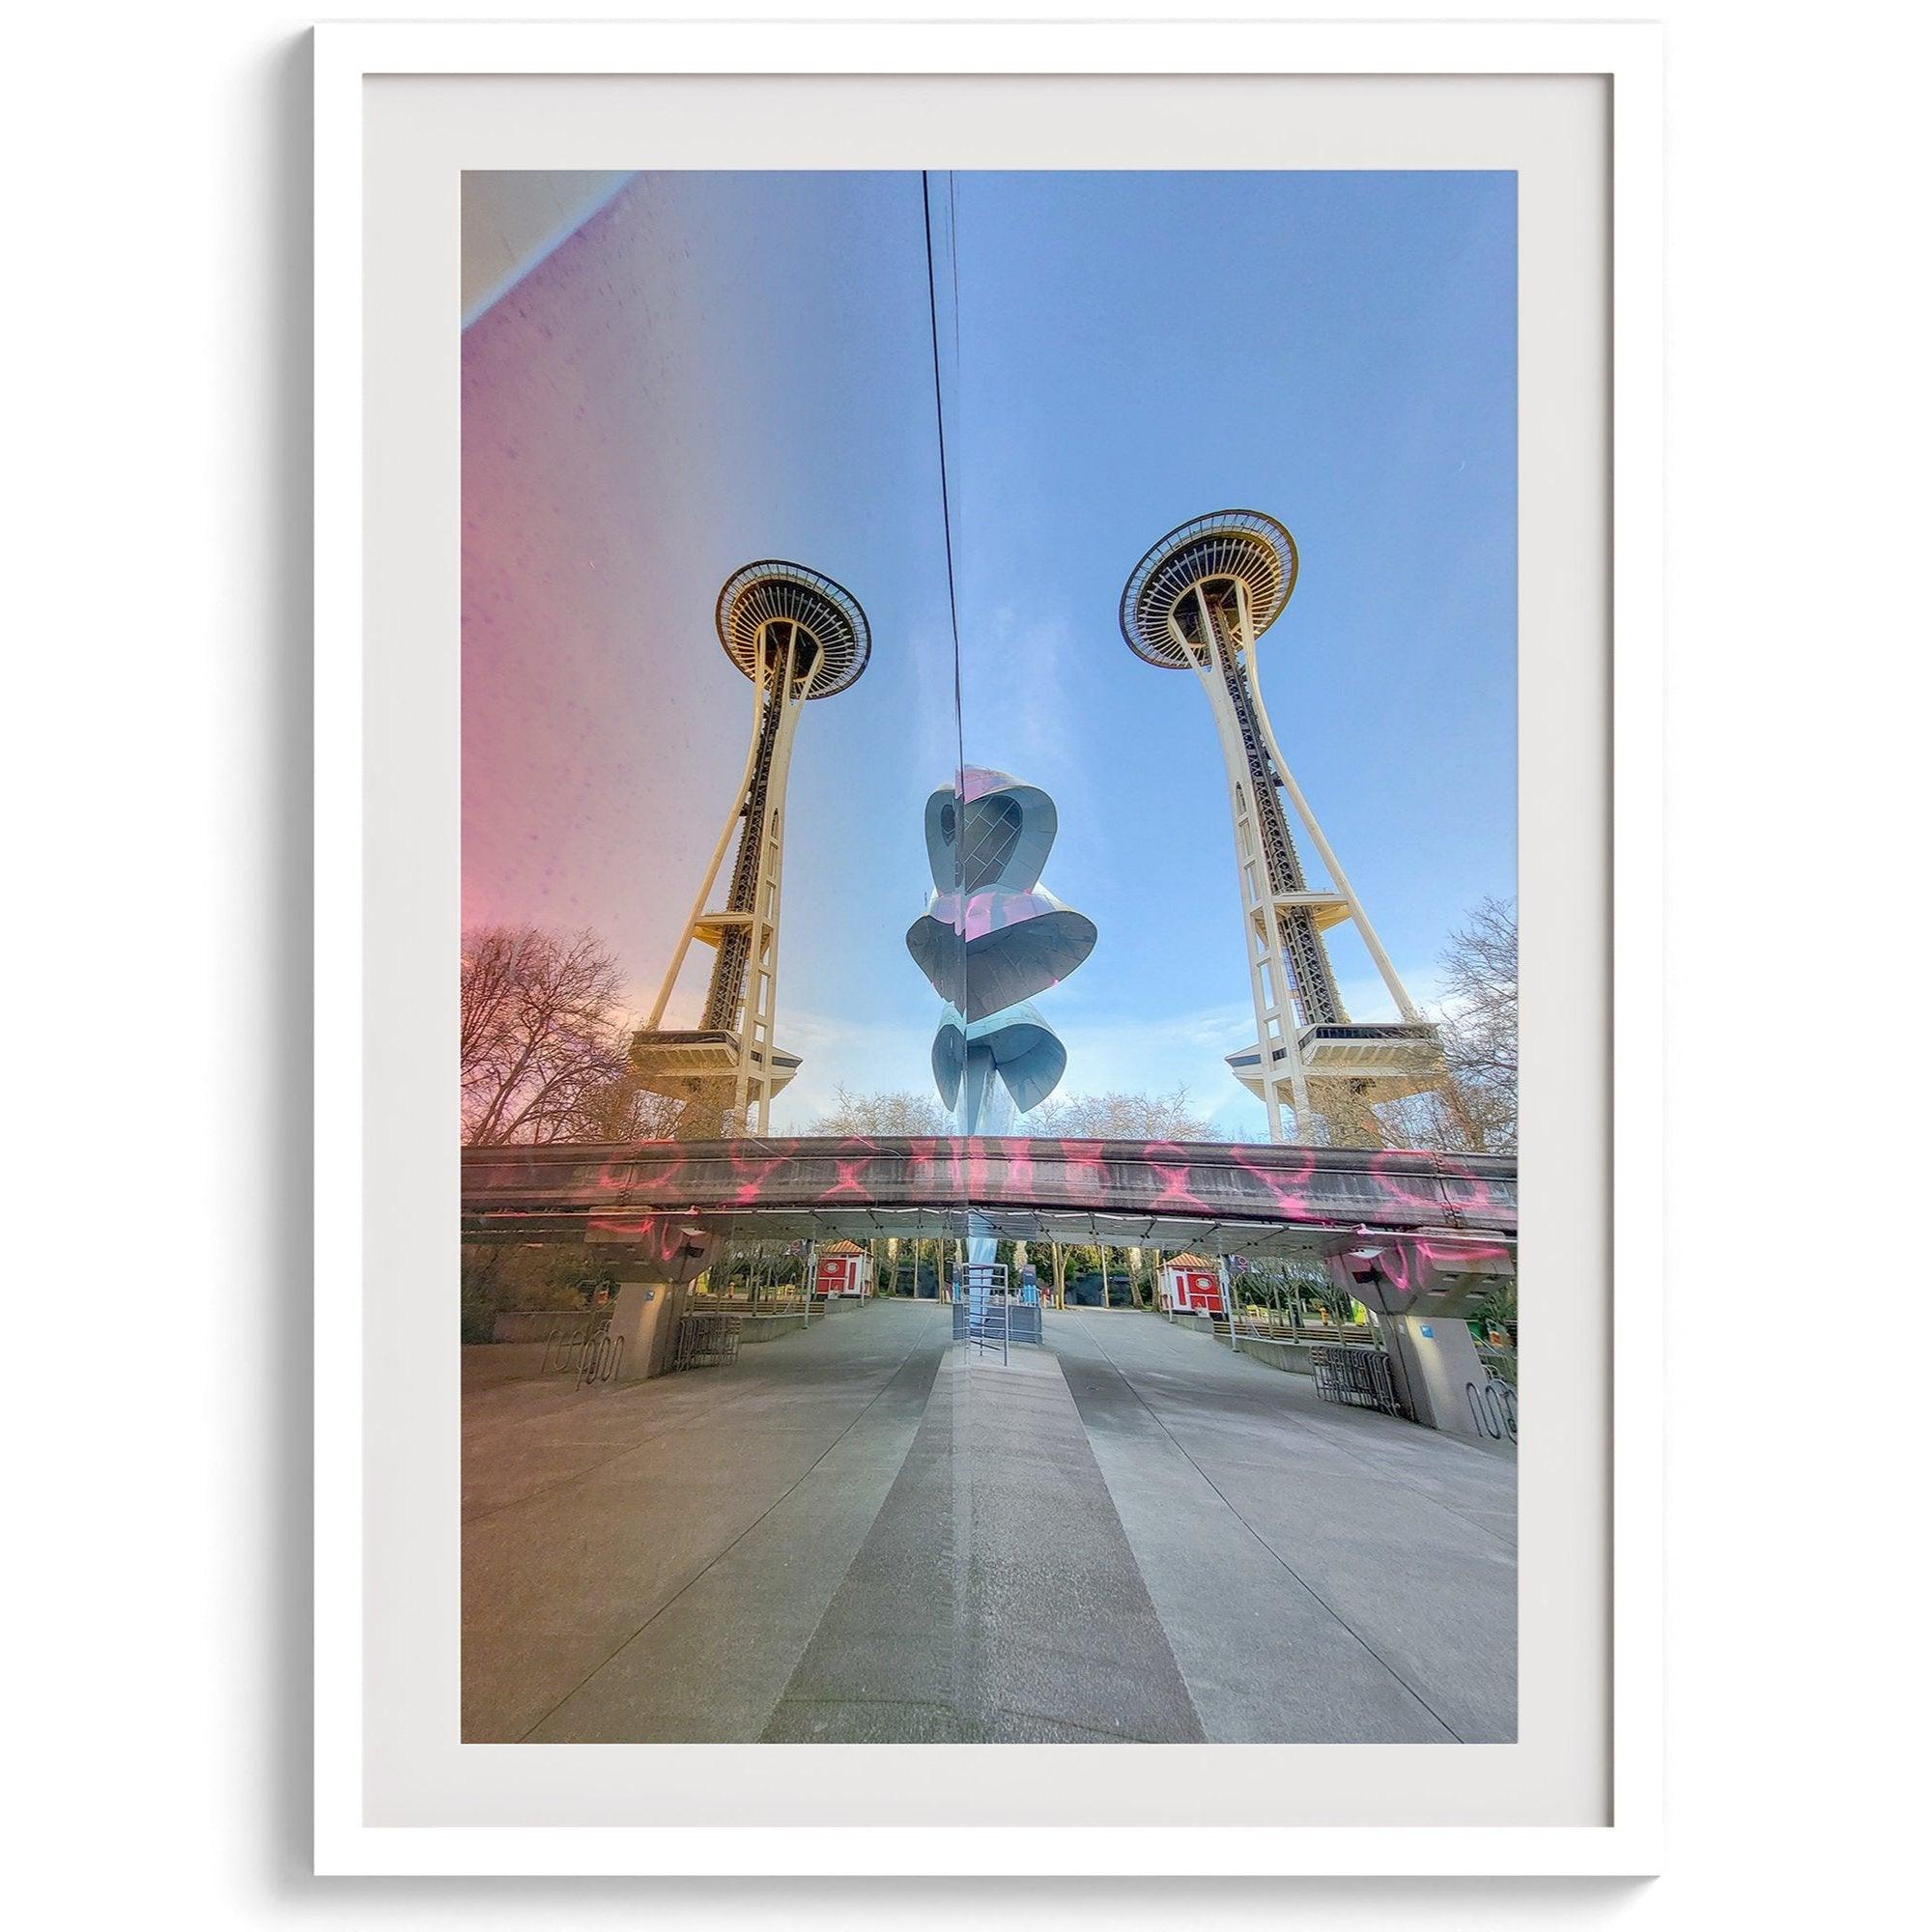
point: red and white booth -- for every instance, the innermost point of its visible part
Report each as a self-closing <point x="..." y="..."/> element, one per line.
<point x="1191" y="1285"/>
<point x="843" y="1269"/>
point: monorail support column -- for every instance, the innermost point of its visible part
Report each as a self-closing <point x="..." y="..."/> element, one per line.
<point x="1418" y="1304"/>
<point x="643" y="1317"/>
<point x="1435" y="1355"/>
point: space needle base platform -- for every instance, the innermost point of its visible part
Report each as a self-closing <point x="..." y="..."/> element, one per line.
<point x="1395" y="1060"/>
<point x="689" y="1062"/>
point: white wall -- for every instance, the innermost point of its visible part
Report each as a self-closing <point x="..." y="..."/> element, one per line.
<point x="155" y="787"/>
<point x="512" y="220"/>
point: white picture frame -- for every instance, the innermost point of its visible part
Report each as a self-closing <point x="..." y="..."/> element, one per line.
<point x="347" y="59"/>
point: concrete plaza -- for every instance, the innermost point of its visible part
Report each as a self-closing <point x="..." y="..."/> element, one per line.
<point x="862" y="1533"/>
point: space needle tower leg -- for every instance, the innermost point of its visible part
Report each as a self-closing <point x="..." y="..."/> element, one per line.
<point x="733" y="819"/>
<point x="752" y="1099"/>
<point x="1371" y="939"/>
<point x="1198" y="601"/>
<point x="796" y="636"/>
<point x="1280" y="1005"/>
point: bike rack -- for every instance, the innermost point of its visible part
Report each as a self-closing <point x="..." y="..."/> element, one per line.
<point x="1492" y="1408"/>
<point x="602" y="1355"/>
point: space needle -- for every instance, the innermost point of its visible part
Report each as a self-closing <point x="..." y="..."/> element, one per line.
<point x="796" y="636"/>
<point x="1198" y="601"/>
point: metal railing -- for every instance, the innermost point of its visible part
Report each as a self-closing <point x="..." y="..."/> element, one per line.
<point x="1354" y="1377"/>
<point x="1261" y="1323"/>
<point x="706" y="1340"/>
<point x="982" y="1296"/>
<point x="1500" y="1361"/>
<point x="750" y="1304"/>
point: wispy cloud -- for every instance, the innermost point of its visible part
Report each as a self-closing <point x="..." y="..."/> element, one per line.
<point x="1107" y="1052"/>
<point x="1019" y="713"/>
<point x="1366" y="999"/>
<point x="868" y="1057"/>
<point x="934" y="722"/>
<point x="1154" y="1053"/>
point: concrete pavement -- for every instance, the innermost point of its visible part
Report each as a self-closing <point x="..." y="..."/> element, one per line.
<point x="862" y="1533"/>
<point x="1324" y="1573"/>
<point x="1033" y="1623"/>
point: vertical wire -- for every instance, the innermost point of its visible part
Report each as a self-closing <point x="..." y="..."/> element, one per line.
<point x="946" y="519"/>
<point x="964" y="1674"/>
<point x="939" y="408"/>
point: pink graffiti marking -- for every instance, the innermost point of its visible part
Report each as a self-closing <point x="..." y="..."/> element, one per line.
<point x="1086" y="1171"/>
<point x="1475" y="1193"/>
<point x="934" y="1168"/>
<point x="1016" y="1155"/>
<point x="754" y="1174"/>
<point x="1287" y="1188"/>
<point x="849" y="1169"/>
<point x="623" y="1177"/>
<point x="1173" y="1176"/>
<point x="1411" y="1264"/>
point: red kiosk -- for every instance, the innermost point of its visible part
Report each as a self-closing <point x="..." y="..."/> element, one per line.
<point x="842" y="1268"/>
<point x="1191" y="1285"/>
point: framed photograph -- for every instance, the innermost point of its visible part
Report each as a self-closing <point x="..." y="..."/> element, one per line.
<point x="1125" y="557"/>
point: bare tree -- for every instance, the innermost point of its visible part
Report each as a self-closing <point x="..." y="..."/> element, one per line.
<point x="1479" y="1023"/>
<point x="908" y="1114"/>
<point x="1117" y="1116"/>
<point x="1352" y="1119"/>
<point x="542" y="1036"/>
<point x="624" y="1111"/>
<point x="1121" y="1117"/>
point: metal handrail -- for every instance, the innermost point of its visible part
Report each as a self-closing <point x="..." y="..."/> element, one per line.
<point x="988" y="1304"/>
<point x="1356" y="1378"/>
<point x="706" y="1338"/>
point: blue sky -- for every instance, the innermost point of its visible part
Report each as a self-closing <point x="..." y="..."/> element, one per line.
<point x="721" y="367"/>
